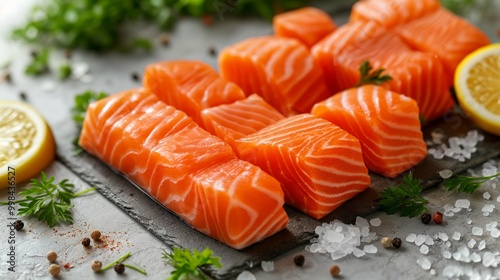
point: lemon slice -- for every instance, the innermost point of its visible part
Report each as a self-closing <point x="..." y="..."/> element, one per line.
<point x="477" y="84"/>
<point x="26" y="143"/>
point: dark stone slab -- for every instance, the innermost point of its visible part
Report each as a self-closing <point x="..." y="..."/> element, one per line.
<point x="174" y="232"/>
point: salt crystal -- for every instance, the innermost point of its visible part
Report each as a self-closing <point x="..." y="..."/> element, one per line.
<point x="369" y="238"/>
<point x="420" y="239"/>
<point x="446" y="254"/>
<point x="411" y="237"/>
<point x="365" y="231"/>
<point x="471" y="243"/>
<point x="486" y="214"/>
<point x="48" y="86"/>
<point x="453" y="271"/>
<point x="482" y="245"/>
<point x="498" y="198"/>
<point x="475" y="257"/>
<point x="446" y="173"/>
<point x="362" y="222"/>
<point x="477" y="231"/>
<point x="495" y="233"/>
<point x="79" y="69"/>
<point x="267" y="266"/>
<point x="358" y="253"/>
<point x="456" y="236"/>
<point x="447" y="244"/>
<point x="486" y="195"/>
<point x="375" y="222"/>
<point x="337" y="254"/>
<point x="462" y="254"/>
<point x="432" y="272"/>
<point x="488" y="208"/>
<point x="462" y="203"/>
<point x="424" y="249"/>
<point x="246" y="275"/>
<point x="456" y="209"/>
<point x="488" y="259"/>
<point x="491" y="225"/>
<point x="428" y="240"/>
<point x="443" y="236"/>
<point x="333" y="236"/>
<point x="468" y="221"/>
<point x="87" y="79"/>
<point x="370" y="249"/>
<point x="424" y="262"/>
<point x="448" y="207"/>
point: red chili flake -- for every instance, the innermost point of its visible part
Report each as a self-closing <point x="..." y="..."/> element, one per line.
<point x="67" y="266"/>
<point x="207" y="20"/>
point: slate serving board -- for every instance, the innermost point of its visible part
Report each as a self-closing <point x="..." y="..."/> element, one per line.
<point x="174" y="232"/>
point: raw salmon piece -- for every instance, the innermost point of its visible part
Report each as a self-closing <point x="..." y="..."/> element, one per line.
<point x="391" y="13"/>
<point x="319" y="165"/>
<point x="418" y="75"/>
<point x="230" y="122"/>
<point x="386" y="124"/>
<point x="190" y="86"/>
<point x="281" y="70"/>
<point x="446" y="35"/>
<point x="308" y="25"/>
<point x="193" y="173"/>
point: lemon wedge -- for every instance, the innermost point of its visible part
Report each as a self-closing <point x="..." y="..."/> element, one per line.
<point x="477" y="84"/>
<point x="26" y="143"/>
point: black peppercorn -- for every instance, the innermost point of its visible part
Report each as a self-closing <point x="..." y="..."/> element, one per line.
<point x="86" y="242"/>
<point x="23" y="96"/>
<point x="212" y="51"/>
<point x="135" y="77"/>
<point x="299" y="260"/>
<point x="18" y="225"/>
<point x="396" y="243"/>
<point x="426" y="218"/>
<point x="119" y="268"/>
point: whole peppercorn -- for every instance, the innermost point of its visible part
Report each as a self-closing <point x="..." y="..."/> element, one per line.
<point x="386" y="242"/>
<point x="426" y="218"/>
<point x="86" y="242"/>
<point x="18" y="225"/>
<point x="299" y="260"/>
<point x="119" y="268"/>
<point x="96" y="265"/>
<point x="96" y="235"/>
<point x="335" y="270"/>
<point x="438" y="218"/>
<point x="396" y="243"/>
<point x="52" y="256"/>
<point x="54" y="270"/>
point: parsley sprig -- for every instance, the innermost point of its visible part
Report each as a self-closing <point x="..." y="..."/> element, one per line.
<point x="48" y="201"/>
<point x="404" y="198"/>
<point x="467" y="184"/>
<point x="39" y="63"/>
<point x="187" y="263"/>
<point x="371" y="77"/>
<point x="82" y="102"/>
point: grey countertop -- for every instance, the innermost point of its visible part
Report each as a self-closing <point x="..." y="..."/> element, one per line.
<point x="191" y="40"/>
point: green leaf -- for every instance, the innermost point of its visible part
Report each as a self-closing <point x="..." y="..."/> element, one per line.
<point x="187" y="263"/>
<point x="39" y="63"/>
<point x="65" y="71"/>
<point x="367" y="76"/>
<point x="467" y="184"/>
<point x="404" y="198"/>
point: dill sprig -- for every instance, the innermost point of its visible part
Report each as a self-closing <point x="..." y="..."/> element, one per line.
<point x="371" y="77"/>
<point x="187" y="263"/>
<point x="404" y="198"/>
<point x="467" y="184"/>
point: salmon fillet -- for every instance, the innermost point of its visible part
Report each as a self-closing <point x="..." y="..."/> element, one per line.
<point x="418" y="75"/>
<point x="319" y="165"/>
<point x="308" y="25"/>
<point x="230" y="122"/>
<point x="446" y="35"/>
<point x="193" y="173"/>
<point x="190" y="86"/>
<point x="391" y="13"/>
<point x="386" y="124"/>
<point x="281" y="70"/>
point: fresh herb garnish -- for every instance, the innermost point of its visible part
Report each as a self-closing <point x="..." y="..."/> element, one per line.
<point x="49" y="202"/>
<point x="82" y="102"/>
<point x="187" y="263"/>
<point x="467" y="184"/>
<point x="371" y="77"/>
<point x="39" y="63"/>
<point x="65" y="71"/>
<point x="404" y="198"/>
<point x="120" y="260"/>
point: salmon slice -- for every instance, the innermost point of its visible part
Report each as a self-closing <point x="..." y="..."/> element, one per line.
<point x="386" y="124"/>
<point x="319" y="165"/>
<point x="418" y="75"/>
<point x="446" y="35"/>
<point x="281" y="70"/>
<point x="230" y="122"/>
<point x="391" y="13"/>
<point x="190" y="86"/>
<point x="308" y="25"/>
<point x="191" y="172"/>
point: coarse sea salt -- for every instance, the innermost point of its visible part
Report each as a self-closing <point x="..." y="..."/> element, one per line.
<point x="443" y="236"/>
<point x="445" y="173"/>
<point x="459" y="148"/>
<point x="246" y="275"/>
<point x="471" y="243"/>
<point x="462" y="203"/>
<point x="447" y="254"/>
<point x="477" y="231"/>
<point x="411" y="237"/>
<point x="456" y="236"/>
<point x="424" y="263"/>
<point x="424" y="249"/>
<point x="267" y="266"/>
<point x="486" y="195"/>
<point x="375" y="222"/>
<point x="481" y="245"/>
<point x="420" y="239"/>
